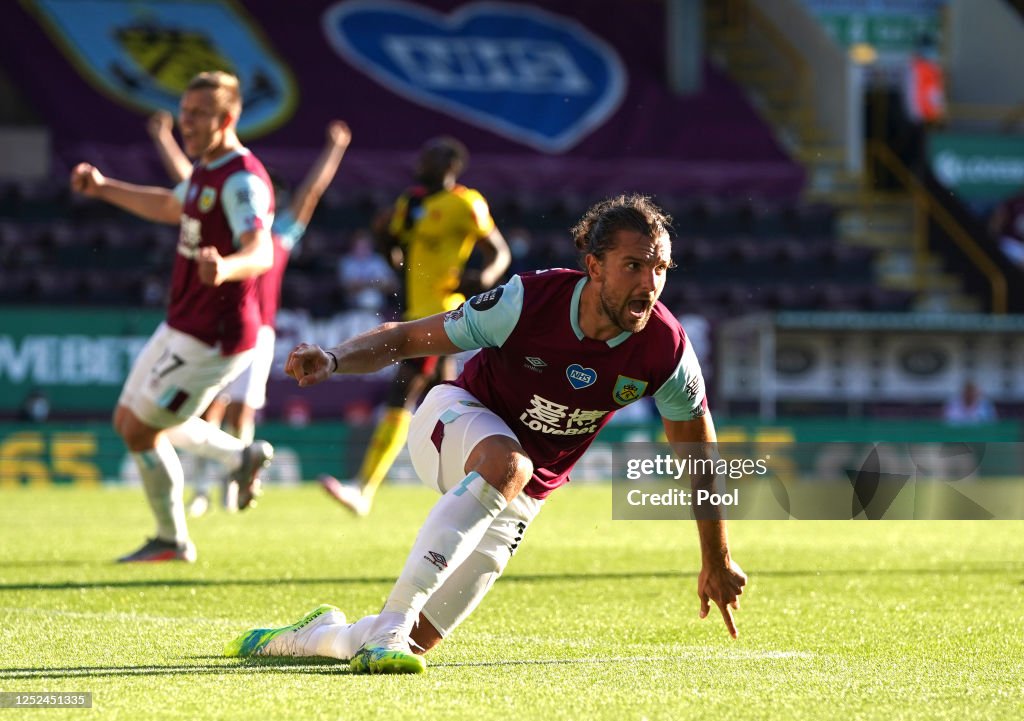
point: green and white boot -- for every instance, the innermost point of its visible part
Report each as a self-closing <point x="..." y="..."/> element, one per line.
<point x="285" y="641"/>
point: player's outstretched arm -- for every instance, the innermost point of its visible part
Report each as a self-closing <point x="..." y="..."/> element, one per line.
<point x="305" y="200"/>
<point x="371" y="351"/>
<point x="157" y="204"/>
<point x="721" y="579"/>
<point x="496" y="258"/>
<point x="160" y="127"/>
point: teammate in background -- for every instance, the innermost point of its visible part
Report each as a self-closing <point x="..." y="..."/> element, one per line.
<point x="432" y="231"/>
<point x="224" y="210"/>
<point x="248" y="392"/>
<point x="561" y="352"/>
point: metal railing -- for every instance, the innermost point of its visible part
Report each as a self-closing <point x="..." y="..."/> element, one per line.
<point x="743" y="20"/>
<point x="927" y="208"/>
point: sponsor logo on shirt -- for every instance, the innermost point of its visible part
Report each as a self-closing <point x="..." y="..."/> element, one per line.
<point x="580" y="377"/>
<point x="555" y="419"/>
<point x="628" y="390"/>
<point x="207" y="198"/>
<point x="535" y="364"/>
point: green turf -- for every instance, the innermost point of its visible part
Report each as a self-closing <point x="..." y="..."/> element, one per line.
<point x="595" y="619"/>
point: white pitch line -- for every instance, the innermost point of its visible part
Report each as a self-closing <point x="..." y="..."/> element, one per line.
<point x="684" y="655"/>
<point x="687" y="653"/>
<point x="121" y="616"/>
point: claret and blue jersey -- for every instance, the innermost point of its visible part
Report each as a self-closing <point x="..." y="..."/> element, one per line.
<point x="554" y="386"/>
<point x="221" y="201"/>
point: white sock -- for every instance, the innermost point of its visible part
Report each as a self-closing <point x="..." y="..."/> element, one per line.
<point x="201" y="478"/>
<point x="208" y="441"/>
<point x="164" y="482"/>
<point x="340" y="641"/>
<point x="452" y="530"/>
<point x="247" y="433"/>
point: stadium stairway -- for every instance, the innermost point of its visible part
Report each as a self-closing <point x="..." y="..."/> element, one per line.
<point x="778" y="80"/>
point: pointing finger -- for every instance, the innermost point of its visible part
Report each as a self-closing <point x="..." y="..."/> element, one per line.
<point x="729" y="622"/>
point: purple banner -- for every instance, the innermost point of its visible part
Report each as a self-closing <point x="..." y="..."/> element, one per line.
<point x="548" y="97"/>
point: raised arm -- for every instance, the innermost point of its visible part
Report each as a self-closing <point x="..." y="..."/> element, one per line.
<point x="305" y="200"/>
<point x="151" y="203"/>
<point x="721" y="579"/>
<point x="161" y="128"/>
<point x="371" y="351"/>
<point x="496" y="258"/>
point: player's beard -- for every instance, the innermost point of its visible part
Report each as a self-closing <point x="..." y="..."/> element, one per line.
<point x="619" y="314"/>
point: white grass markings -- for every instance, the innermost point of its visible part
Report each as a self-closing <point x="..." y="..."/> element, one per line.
<point x="121" y="616"/>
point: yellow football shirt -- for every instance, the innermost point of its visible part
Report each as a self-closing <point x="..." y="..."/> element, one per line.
<point x="437" y="233"/>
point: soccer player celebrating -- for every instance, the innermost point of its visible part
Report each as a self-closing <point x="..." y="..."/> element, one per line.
<point x="559" y="349"/>
<point x="247" y="393"/>
<point x="432" y="231"/>
<point x="225" y="211"/>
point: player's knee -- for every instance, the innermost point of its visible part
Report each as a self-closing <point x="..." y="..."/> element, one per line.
<point x="135" y="434"/>
<point x="117" y="418"/>
<point x="503" y="463"/>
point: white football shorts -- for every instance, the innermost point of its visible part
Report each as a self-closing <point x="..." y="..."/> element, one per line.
<point x="176" y="376"/>
<point x="250" y="387"/>
<point x="448" y="425"/>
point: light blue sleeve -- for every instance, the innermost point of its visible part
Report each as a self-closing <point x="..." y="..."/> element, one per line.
<point x="246" y="201"/>
<point x="288" y="228"/>
<point x="180" y="190"/>
<point x="488" y="319"/>
<point x="682" y="397"/>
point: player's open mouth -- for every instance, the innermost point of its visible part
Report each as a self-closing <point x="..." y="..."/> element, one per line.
<point x="638" y="308"/>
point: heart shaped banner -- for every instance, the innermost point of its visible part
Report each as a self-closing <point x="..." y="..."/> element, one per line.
<point x="529" y="75"/>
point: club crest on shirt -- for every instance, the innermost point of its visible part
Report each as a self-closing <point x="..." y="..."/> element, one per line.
<point x="207" y="198"/>
<point x="628" y="390"/>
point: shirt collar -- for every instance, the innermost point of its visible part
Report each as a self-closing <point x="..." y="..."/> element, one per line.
<point x="574" y="317"/>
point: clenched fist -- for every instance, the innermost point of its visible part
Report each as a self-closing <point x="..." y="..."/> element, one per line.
<point x="211" y="266"/>
<point x="309" y="364"/>
<point x="87" y="180"/>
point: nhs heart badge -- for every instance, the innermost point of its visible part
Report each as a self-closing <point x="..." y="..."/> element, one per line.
<point x="580" y="377"/>
<point x="523" y="73"/>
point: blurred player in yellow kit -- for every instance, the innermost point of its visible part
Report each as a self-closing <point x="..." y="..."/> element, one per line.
<point x="432" y="231"/>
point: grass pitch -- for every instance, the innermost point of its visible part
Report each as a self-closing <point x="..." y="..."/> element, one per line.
<point x="595" y="619"/>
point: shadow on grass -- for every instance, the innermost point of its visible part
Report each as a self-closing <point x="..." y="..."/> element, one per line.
<point x="47" y="564"/>
<point x="314" y="666"/>
<point x="978" y="569"/>
<point x="306" y="666"/>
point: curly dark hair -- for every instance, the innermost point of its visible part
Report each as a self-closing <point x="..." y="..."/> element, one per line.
<point x="595" y="232"/>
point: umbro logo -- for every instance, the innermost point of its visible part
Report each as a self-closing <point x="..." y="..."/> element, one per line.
<point x="437" y="559"/>
<point x="535" y="361"/>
